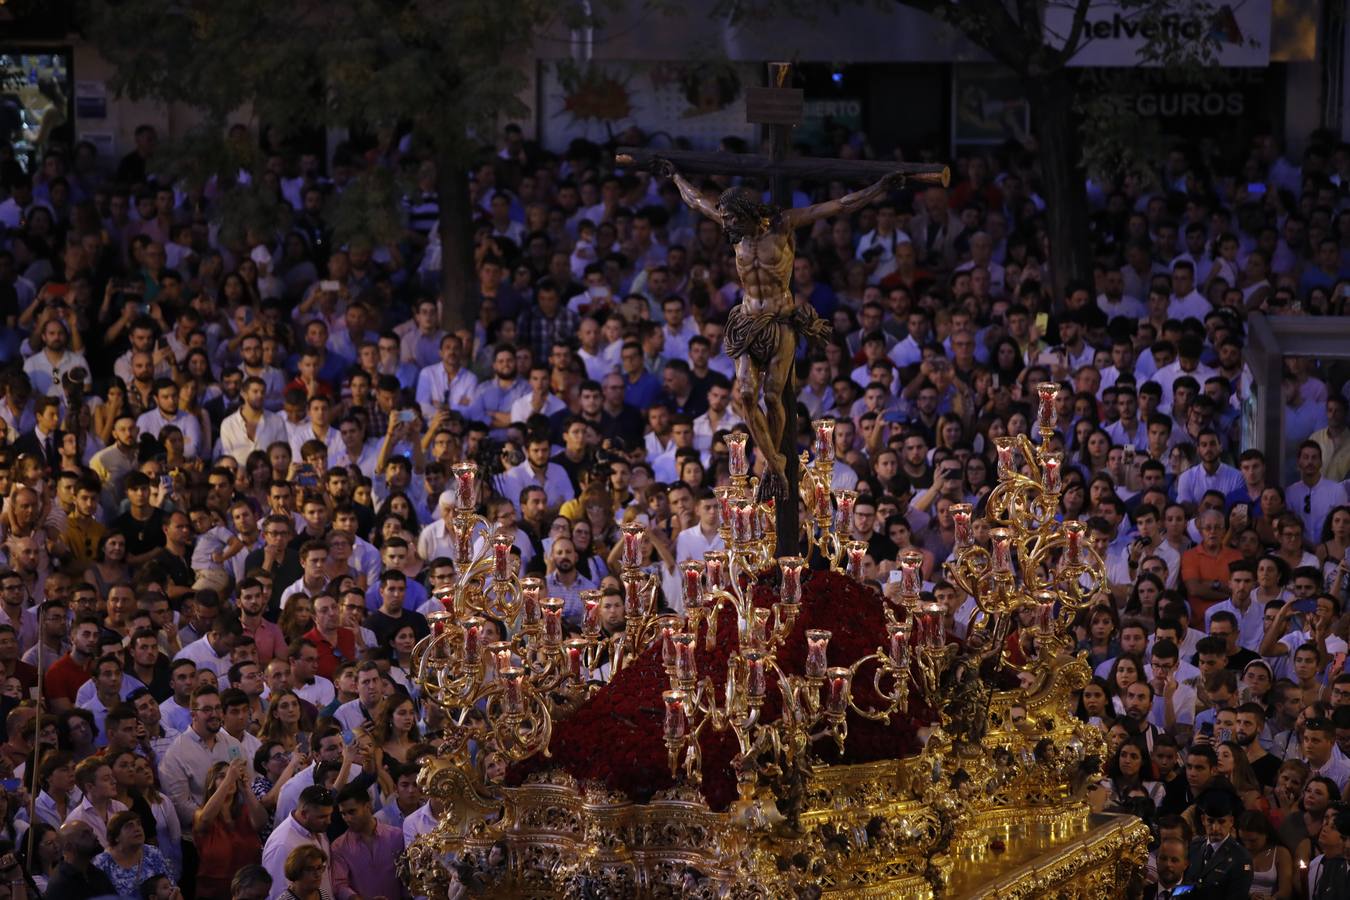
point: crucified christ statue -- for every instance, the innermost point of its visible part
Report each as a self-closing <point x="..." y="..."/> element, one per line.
<point x="762" y="330"/>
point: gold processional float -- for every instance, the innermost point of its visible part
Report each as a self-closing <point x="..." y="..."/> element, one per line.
<point x="711" y="753"/>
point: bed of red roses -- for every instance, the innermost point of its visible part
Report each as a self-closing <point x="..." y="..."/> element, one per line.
<point x="615" y="737"/>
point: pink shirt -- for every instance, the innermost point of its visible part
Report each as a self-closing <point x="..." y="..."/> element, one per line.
<point x="363" y="867"/>
<point x="271" y="642"/>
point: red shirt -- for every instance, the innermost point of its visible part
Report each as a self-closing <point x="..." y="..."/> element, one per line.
<point x="64" y="678"/>
<point x="331" y="657"/>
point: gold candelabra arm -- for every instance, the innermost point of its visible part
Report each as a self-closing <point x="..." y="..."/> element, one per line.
<point x="895" y="698"/>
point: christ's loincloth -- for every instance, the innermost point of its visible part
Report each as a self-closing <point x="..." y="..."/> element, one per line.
<point x="757" y="335"/>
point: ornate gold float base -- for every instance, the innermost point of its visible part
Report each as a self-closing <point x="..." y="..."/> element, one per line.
<point x="1100" y="856"/>
<point x="859" y="836"/>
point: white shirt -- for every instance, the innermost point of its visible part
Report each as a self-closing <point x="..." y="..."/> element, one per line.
<point x="185" y="766"/>
<point x="1191" y="306"/>
<point x="692" y="543"/>
<point x="1295" y="639"/>
<point x="1193" y="483"/>
<point x="557" y="486"/>
<point x="289" y="796"/>
<point x="1251" y="624"/>
<point x="296" y="587"/>
<point x="1183" y="707"/>
<point x="887" y="243"/>
<point x="1320" y="499"/>
<point x="153" y="421"/>
<point x="46" y="375"/>
<point x="677" y="340"/>
<point x="523" y="406"/>
<point x="45" y="808"/>
<point x="1168" y="374"/>
<point x="418" y="824"/>
<point x="663" y="467"/>
<point x="320" y="692"/>
<point x="1129" y="307"/>
<point x="598" y="365"/>
<point x="703" y="428"/>
<point x="173" y="716"/>
<point x="288" y="835"/>
<point x="1168" y="554"/>
<point x="1337" y="768"/>
<point x="85" y="813"/>
<point x="234" y="439"/>
<point x="305" y="433"/>
<point x="88" y="691"/>
<point x="434" y="541"/>
<point x="351" y="716"/>
<point x="434" y="382"/>
<point x="905" y="353"/>
<point x="201" y="653"/>
<point x="339" y="455"/>
<point x="1116" y="432"/>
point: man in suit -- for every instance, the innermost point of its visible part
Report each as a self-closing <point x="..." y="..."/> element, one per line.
<point x="1218" y="866"/>
<point x="45" y="439"/>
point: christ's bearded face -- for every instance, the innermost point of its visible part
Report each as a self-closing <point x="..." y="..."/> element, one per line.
<point x="742" y="214"/>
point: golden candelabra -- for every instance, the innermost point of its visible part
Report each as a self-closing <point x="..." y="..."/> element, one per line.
<point x="1033" y="560"/>
<point x="1004" y="756"/>
<point x="497" y="660"/>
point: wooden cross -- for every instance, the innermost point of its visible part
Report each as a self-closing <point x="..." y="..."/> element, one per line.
<point x="778" y="108"/>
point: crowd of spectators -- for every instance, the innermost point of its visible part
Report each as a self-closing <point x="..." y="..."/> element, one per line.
<point x="224" y="455"/>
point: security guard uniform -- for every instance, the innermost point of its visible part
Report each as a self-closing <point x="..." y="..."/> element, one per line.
<point x="1219" y="872"/>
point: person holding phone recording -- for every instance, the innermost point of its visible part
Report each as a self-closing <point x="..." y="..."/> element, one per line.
<point x="188" y="761"/>
<point x="1318" y="619"/>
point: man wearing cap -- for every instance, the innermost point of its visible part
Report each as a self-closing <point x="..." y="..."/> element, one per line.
<point x="1218" y="866"/>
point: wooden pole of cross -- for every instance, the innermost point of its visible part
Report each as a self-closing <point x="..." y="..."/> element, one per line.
<point x="777" y="109"/>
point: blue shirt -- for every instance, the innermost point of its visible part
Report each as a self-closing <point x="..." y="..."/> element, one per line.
<point x="643" y="392"/>
<point x="413" y="597"/>
<point x="1195" y="481"/>
<point x="1240" y="496"/>
<point x="823" y="300"/>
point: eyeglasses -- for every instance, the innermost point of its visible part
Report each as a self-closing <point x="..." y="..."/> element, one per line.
<point x="280" y="756"/>
<point x="206" y="710"/>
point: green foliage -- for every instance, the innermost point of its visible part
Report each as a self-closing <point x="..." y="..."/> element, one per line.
<point x="450" y="67"/>
<point x="248" y="209"/>
<point x="1115" y="139"/>
<point x="368" y="208"/>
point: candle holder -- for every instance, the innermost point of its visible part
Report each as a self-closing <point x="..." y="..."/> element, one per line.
<point x="500" y="668"/>
<point x="737" y="460"/>
<point x="466" y="485"/>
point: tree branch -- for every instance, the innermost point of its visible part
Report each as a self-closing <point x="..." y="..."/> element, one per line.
<point x="988" y="25"/>
<point x="1071" y="40"/>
